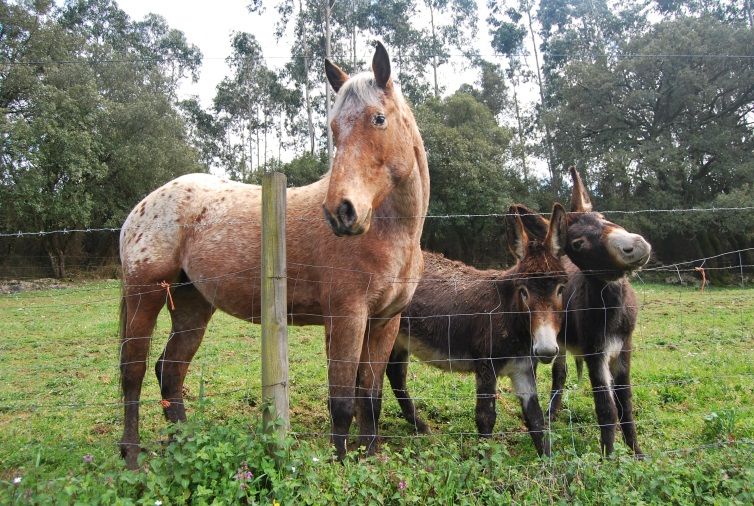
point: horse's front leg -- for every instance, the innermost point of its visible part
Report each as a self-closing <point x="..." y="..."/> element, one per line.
<point x="344" y="336"/>
<point x="486" y="390"/>
<point x="378" y="343"/>
<point x="524" y="381"/>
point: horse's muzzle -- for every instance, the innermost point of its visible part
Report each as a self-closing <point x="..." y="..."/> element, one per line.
<point x="345" y="219"/>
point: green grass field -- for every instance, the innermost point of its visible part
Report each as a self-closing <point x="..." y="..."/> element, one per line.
<point x="693" y="375"/>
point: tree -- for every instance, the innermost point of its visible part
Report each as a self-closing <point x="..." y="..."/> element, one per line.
<point x="88" y="126"/>
<point x="467" y="153"/>
<point x="668" y="125"/>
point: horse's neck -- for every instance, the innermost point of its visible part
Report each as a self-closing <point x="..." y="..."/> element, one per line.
<point x="407" y="205"/>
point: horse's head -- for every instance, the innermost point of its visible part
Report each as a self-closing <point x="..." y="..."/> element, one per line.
<point x="594" y="244"/>
<point x="374" y="149"/>
<point x="539" y="280"/>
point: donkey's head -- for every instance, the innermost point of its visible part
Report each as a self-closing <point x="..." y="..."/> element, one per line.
<point x="594" y="244"/>
<point x="374" y="144"/>
<point x="539" y="280"/>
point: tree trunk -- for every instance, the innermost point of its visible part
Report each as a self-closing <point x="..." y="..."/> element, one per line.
<point x="434" y="46"/>
<point x="327" y="86"/>
<point x="554" y="178"/>
<point x="522" y="142"/>
<point x="307" y="99"/>
<point x="353" y="34"/>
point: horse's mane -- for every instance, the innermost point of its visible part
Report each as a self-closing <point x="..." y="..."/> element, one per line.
<point x="358" y="92"/>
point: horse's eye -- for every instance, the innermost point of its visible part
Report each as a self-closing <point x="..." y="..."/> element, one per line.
<point x="379" y="120"/>
<point x="577" y="244"/>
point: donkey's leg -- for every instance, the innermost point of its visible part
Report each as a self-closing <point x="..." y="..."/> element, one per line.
<point x="138" y="316"/>
<point x="604" y="405"/>
<point x="559" y="370"/>
<point x="379" y="339"/>
<point x="524" y="382"/>
<point x="486" y="390"/>
<point x="397" y="370"/>
<point x="621" y="370"/>
<point x="343" y="339"/>
<point x="190" y="317"/>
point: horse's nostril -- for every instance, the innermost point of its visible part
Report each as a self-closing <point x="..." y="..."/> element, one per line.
<point x="347" y="213"/>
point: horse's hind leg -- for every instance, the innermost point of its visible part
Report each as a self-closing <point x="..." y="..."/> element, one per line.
<point x="139" y="312"/>
<point x="397" y="370"/>
<point x="190" y="317"/>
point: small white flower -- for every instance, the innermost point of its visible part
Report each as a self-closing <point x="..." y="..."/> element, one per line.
<point x="293" y="469"/>
<point x="16" y="480"/>
<point x="315" y="459"/>
<point x="158" y="503"/>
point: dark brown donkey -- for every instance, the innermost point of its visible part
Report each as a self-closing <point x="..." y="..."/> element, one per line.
<point x="198" y="238"/>
<point x="490" y="322"/>
<point x="601" y="311"/>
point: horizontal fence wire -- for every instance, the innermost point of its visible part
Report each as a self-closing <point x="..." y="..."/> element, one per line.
<point x="235" y="222"/>
<point x="23" y="300"/>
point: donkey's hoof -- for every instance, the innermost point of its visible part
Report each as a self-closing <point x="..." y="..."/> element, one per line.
<point x="421" y="427"/>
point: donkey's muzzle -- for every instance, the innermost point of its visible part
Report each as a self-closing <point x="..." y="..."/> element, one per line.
<point x="345" y="219"/>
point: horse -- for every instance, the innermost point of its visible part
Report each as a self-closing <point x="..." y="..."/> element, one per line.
<point x="502" y="321"/>
<point x="601" y="312"/>
<point x="197" y="240"/>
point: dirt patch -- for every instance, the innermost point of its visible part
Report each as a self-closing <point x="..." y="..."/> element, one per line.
<point x="15" y="286"/>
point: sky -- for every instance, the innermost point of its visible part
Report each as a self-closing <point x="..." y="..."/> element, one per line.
<point x="209" y="26"/>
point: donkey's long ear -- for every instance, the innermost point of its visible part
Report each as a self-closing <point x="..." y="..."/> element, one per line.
<point x="580" y="202"/>
<point x="517" y="238"/>
<point x="381" y="65"/>
<point x="534" y="224"/>
<point x="558" y="231"/>
<point x="335" y="75"/>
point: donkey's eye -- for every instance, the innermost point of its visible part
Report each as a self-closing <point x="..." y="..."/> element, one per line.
<point x="577" y="244"/>
<point x="559" y="290"/>
<point x="379" y="120"/>
<point x="524" y="294"/>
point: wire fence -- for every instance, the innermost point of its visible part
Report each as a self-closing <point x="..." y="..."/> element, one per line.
<point x="72" y="352"/>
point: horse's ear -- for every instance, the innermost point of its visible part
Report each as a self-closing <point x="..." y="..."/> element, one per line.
<point x="580" y="202"/>
<point x="534" y="224"/>
<point x="335" y="75"/>
<point x="558" y="231"/>
<point x="381" y="65"/>
<point x="514" y="230"/>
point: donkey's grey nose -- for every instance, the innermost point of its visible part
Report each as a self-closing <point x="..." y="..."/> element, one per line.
<point x="628" y="249"/>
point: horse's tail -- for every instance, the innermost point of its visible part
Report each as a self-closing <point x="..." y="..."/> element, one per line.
<point x="579" y="367"/>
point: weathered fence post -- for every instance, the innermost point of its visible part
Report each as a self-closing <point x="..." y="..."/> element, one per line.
<point x="274" y="300"/>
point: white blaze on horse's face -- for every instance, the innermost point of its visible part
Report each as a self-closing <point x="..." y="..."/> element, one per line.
<point x="374" y="150"/>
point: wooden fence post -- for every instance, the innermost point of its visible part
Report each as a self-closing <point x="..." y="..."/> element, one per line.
<point x="274" y="302"/>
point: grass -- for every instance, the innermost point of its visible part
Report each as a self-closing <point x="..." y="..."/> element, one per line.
<point x="693" y="381"/>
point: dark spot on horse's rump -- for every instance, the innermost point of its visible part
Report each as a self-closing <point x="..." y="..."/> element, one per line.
<point x="139" y="238"/>
<point x="146" y="259"/>
<point x="188" y="190"/>
<point x="156" y="216"/>
<point x="141" y="213"/>
<point x="222" y="199"/>
<point x="143" y="250"/>
<point x="175" y="183"/>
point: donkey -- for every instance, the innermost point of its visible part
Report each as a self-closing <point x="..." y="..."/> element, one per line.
<point x="197" y="239"/>
<point x="601" y="311"/>
<point x="490" y="322"/>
